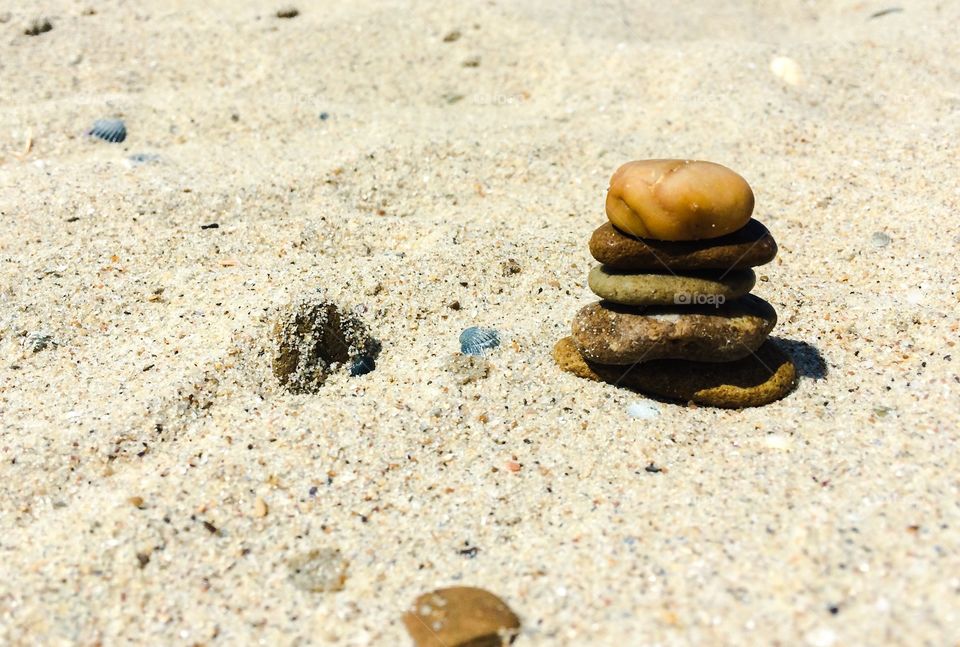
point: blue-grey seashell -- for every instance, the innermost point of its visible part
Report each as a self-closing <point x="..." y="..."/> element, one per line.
<point x="109" y="130"/>
<point x="361" y="365"/>
<point x="476" y="341"/>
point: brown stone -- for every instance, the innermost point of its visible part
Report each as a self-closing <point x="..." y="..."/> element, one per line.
<point x="608" y="333"/>
<point x="673" y="199"/>
<point x="753" y="381"/>
<point x="750" y="246"/>
<point x="461" y="616"/>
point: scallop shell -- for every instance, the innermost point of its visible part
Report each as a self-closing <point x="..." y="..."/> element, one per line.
<point x="476" y="341"/>
<point x="109" y="130"/>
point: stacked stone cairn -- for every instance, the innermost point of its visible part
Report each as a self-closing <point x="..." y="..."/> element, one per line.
<point x="676" y="318"/>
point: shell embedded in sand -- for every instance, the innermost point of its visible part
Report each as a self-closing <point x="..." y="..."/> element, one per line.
<point x="476" y="341"/>
<point x="787" y="70"/>
<point x="109" y="130"/>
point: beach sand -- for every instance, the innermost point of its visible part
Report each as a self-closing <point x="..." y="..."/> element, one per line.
<point x="156" y="482"/>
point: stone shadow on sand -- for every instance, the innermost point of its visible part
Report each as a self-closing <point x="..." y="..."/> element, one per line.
<point x="806" y="357"/>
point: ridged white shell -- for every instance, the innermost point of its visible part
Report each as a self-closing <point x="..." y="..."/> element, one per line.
<point x="109" y="130"/>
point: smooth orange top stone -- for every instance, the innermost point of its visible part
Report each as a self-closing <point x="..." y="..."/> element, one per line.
<point x="678" y="200"/>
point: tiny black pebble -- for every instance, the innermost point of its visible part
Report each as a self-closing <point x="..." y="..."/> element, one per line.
<point x="833" y="609"/>
<point x="469" y="552"/>
<point x="288" y="12"/>
<point x="73" y="218"/>
<point x="313" y="491"/>
<point x="324" y="116"/>
<point x="143" y="558"/>
<point x="653" y="469"/>
<point x="212" y="529"/>
<point x="212" y="225"/>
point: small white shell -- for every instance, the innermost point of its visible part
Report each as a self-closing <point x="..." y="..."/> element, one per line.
<point x="787" y="70"/>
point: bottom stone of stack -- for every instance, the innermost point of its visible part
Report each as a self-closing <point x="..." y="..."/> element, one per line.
<point x="758" y="379"/>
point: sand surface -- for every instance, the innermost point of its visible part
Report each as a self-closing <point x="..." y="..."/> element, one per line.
<point x="829" y="518"/>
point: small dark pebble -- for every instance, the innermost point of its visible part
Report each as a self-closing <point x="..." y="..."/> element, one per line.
<point x="833" y="609"/>
<point x="452" y="36"/>
<point x="212" y="529"/>
<point x="212" y="225"/>
<point x="288" y="12"/>
<point x="143" y="558"/>
<point x="312" y="491"/>
<point x="324" y="116"/>
<point x="653" y="469"/>
<point x="37" y="27"/>
<point x="454" y="305"/>
<point x="361" y="365"/>
<point x="469" y="553"/>
<point x="73" y="218"/>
